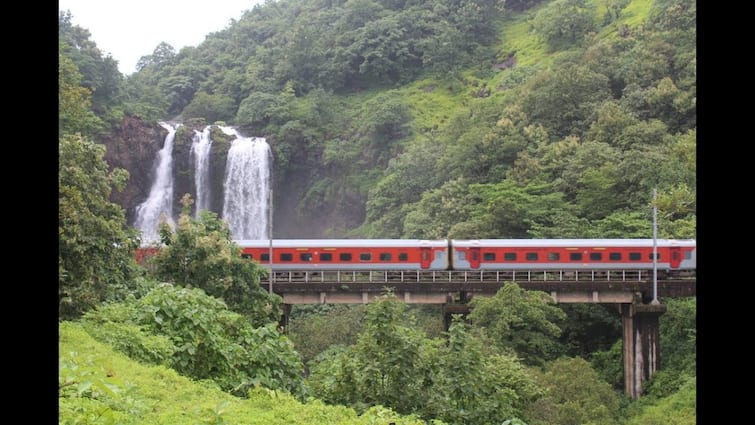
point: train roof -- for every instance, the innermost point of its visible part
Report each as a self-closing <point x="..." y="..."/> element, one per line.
<point x="571" y="243"/>
<point x="341" y="243"/>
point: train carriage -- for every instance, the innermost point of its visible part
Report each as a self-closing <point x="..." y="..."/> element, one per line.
<point x="572" y="254"/>
<point x="348" y="254"/>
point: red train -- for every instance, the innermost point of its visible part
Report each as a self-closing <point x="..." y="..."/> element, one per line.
<point x="483" y="254"/>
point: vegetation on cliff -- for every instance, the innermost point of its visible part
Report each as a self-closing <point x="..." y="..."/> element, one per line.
<point x="387" y="119"/>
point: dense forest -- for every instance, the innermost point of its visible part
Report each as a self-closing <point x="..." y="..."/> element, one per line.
<point x="387" y="119"/>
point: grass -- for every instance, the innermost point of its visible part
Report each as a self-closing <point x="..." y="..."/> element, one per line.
<point x="104" y="386"/>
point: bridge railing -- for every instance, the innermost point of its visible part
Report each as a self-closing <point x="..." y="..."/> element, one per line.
<point x="392" y="276"/>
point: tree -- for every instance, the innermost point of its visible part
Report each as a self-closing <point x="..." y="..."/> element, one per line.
<point x="520" y="322"/>
<point x="391" y="363"/>
<point x="438" y="210"/>
<point x="564" y="22"/>
<point x="201" y="254"/>
<point x="99" y="73"/>
<point x="330" y="324"/>
<point x="95" y="244"/>
<point x="563" y="100"/>
<point x="395" y="358"/>
<point x="212" y="107"/>
<point x="475" y="387"/>
<point x="575" y="394"/>
<point x="163" y="55"/>
<point x="74" y="101"/>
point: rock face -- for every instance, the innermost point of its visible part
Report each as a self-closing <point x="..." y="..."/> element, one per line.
<point x="134" y="147"/>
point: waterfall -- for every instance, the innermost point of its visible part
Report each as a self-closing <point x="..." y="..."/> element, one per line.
<point x="200" y="154"/>
<point x="246" y="187"/>
<point x="160" y="201"/>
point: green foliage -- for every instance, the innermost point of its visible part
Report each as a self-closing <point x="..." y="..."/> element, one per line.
<point x="406" y="178"/>
<point x="212" y="107"/>
<point x="393" y="364"/>
<point x="471" y="388"/>
<point x="586" y="400"/>
<point x="74" y="101"/>
<point x="609" y="365"/>
<point x="679" y="408"/>
<point x="90" y="393"/>
<point x="95" y="246"/>
<point x="436" y="215"/>
<point x="565" y="145"/>
<point x="513" y="211"/>
<point x="112" y="324"/>
<point x="201" y="254"/>
<point x="589" y="328"/>
<point x="395" y="359"/>
<point x="99" y="73"/>
<point x="389" y="365"/>
<point x="563" y="100"/>
<point x="313" y="332"/>
<point x="565" y="22"/>
<point x="678" y="335"/>
<point x="117" y="390"/>
<point x="196" y="335"/>
<point x="520" y="322"/>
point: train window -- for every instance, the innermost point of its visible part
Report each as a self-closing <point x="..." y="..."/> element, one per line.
<point x="635" y="256"/>
<point x="488" y="256"/>
<point x="247" y="256"/>
<point x="657" y="256"/>
<point x="326" y="256"/>
<point x="614" y="256"/>
<point x="345" y="256"/>
<point x="287" y="256"/>
<point x="688" y="255"/>
<point x="554" y="256"/>
<point x="265" y="257"/>
<point x="531" y="256"/>
<point x="305" y="256"/>
<point x="365" y="256"/>
<point x="385" y="256"/>
<point x="596" y="256"/>
<point x="509" y="256"/>
<point x="575" y="256"/>
<point x="402" y="256"/>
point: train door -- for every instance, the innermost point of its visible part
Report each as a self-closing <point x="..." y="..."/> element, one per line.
<point x="474" y="257"/>
<point x="675" y="256"/>
<point x="425" y="257"/>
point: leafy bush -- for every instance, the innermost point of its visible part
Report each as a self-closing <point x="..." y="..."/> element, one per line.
<point x="98" y="385"/>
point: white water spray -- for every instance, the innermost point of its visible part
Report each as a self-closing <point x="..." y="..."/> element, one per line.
<point x="246" y="187"/>
<point x="200" y="154"/>
<point x="159" y="203"/>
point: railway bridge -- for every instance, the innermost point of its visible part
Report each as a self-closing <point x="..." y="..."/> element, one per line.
<point x="632" y="291"/>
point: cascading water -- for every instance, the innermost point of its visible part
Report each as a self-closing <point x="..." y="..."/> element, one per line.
<point x="246" y="187"/>
<point x="159" y="203"/>
<point x="200" y="154"/>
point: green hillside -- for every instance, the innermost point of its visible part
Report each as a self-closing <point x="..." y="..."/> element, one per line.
<point x="101" y="386"/>
<point x="468" y="119"/>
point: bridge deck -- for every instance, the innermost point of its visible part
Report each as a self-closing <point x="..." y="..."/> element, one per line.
<point x="303" y="287"/>
<point x="389" y="276"/>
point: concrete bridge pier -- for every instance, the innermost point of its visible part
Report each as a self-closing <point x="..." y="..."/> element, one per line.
<point x="285" y="316"/>
<point x="641" y="344"/>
